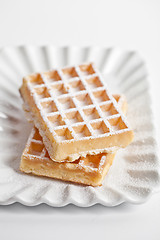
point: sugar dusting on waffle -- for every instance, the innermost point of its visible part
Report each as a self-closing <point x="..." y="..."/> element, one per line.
<point x="90" y="169"/>
<point x="76" y="106"/>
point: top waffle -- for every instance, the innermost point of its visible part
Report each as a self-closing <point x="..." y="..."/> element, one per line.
<point x="75" y="113"/>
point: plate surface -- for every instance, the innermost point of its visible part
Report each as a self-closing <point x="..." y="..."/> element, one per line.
<point x="134" y="175"/>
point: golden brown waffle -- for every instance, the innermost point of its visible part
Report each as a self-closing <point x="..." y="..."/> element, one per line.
<point x="74" y="112"/>
<point x="89" y="170"/>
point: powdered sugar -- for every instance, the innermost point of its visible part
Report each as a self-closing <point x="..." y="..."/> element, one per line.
<point x="82" y="96"/>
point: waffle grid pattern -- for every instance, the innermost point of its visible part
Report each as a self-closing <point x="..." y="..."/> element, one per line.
<point x="36" y="149"/>
<point x="75" y="104"/>
<point x="35" y="145"/>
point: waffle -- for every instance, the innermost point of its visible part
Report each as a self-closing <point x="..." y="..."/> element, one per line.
<point x="75" y="113"/>
<point x="90" y="170"/>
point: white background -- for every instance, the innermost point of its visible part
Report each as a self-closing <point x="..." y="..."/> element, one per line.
<point x="132" y="25"/>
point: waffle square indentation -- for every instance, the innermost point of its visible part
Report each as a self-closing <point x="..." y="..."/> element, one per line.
<point x="101" y="96"/>
<point x="99" y="128"/>
<point x="37" y="136"/>
<point x="108" y="109"/>
<point x="117" y="124"/>
<point x="81" y="131"/>
<point x="74" y="117"/>
<point x="49" y="106"/>
<point x="69" y="73"/>
<point x="76" y="86"/>
<point x="36" y="79"/>
<point x="52" y="76"/>
<point x="63" y="134"/>
<point x="86" y="69"/>
<point x="91" y="113"/>
<point x="35" y="149"/>
<point x="92" y="161"/>
<point x="66" y="103"/>
<point x="58" y="89"/>
<point x="41" y="92"/>
<point x="94" y="82"/>
<point x="56" y="120"/>
<point x="84" y="99"/>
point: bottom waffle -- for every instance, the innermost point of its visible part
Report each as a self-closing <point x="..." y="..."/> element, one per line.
<point x="89" y="170"/>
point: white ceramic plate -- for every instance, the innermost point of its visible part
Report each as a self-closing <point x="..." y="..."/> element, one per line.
<point x="134" y="175"/>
